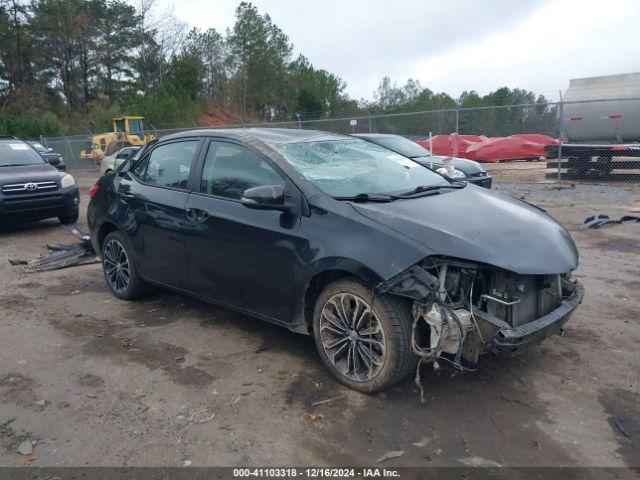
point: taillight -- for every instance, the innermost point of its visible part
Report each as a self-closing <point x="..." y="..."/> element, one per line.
<point x="93" y="191"/>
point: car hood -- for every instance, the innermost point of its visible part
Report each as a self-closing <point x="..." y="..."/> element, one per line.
<point x="28" y="173"/>
<point x="476" y="224"/>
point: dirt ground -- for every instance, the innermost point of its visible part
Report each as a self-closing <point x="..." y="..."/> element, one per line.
<point x="537" y="172"/>
<point x="92" y="380"/>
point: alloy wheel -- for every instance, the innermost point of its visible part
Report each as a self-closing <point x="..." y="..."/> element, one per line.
<point x="116" y="265"/>
<point x="352" y="337"/>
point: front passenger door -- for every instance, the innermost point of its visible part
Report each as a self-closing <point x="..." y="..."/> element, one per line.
<point x="237" y="255"/>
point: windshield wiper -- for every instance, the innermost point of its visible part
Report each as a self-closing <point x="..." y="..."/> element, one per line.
<point x="431" y="188"/>
<point x="368" y="197"/>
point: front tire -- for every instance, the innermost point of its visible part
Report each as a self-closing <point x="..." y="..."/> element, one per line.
<point x="120" y="273"/>
<point x="366" y="352"/>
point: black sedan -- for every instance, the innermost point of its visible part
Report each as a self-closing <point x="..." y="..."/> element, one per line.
<point x="463" y="169"/>
<point x="51" y="157"/>
<point x="383" y="261"/>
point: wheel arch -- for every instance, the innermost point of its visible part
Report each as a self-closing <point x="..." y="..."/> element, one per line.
<point x="105" y="229"/>
<point x="324" y="277"/>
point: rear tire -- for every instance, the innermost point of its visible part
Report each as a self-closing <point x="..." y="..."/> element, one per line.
<point x="119" y="270"/>
<point x="69" y="218"/>
<point x="368" y="353"/>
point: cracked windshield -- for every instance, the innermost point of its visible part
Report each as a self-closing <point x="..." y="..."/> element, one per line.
<point x="346" y="168"/>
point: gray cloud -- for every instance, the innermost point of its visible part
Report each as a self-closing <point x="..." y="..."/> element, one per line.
<point x="361" y="41"/>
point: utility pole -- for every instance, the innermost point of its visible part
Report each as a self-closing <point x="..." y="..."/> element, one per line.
<point x="560" y="130"/>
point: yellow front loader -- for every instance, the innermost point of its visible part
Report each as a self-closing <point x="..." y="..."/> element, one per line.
<point x="127" y="131"/>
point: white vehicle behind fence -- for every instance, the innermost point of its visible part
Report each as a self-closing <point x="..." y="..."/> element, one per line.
<point x="112" y="162"/>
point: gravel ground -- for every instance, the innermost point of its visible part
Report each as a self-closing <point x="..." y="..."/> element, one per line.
<point x="87" y="379"/>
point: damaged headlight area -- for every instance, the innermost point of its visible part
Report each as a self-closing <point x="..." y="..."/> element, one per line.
<point x="464" y="309"/>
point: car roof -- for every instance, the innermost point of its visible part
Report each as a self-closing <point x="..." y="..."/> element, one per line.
<point x="376" y="135"/>
<point x="273" y="136"/>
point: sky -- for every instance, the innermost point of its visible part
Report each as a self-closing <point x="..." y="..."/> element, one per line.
<point x="448" y="45"/>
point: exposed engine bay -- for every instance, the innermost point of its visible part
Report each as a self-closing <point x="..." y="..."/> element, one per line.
<point x="463" y="309"/>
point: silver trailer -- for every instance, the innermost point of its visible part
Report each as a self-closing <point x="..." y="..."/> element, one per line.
<point x="600" y="128"/>
<point x="602" y="109"/>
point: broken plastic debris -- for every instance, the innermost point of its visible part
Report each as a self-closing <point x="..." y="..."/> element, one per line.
<point x="201" y="416"/>
<point x="25" y="448"/>
<point x="389" y="455"/>
<point x="423" y="442"/>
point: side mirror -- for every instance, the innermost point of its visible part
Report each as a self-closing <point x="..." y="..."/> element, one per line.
<point x="50" y="150"/>
<point x="269" y="197"/>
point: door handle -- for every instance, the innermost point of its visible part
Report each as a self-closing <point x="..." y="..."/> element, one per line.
<point x="127" y="197"/>
<point x="196" y="215"/>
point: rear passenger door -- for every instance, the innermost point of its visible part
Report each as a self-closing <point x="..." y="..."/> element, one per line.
<point x="151" y="203"/>
<point x="236" y="255"/>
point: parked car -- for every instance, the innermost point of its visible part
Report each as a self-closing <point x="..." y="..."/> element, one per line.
<point x="464" y="169"/>
<point x="49" y="155"/>
<point x="112" y="162"/>
<point x="32" y="189"/>
<point x="381" y="260"/>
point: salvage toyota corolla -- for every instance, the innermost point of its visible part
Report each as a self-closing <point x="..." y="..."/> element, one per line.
<point x="382" y="260"/>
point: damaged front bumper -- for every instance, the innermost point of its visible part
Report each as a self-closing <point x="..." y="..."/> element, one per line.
<point x="509" y="340"/>
<point x="444" y="297"/>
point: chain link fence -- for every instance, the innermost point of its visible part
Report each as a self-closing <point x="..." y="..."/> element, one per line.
<point x="516" y="143"/>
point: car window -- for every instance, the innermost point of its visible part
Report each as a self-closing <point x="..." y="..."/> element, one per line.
<point x="399" y="144"/>
<point x="230" y="169"/>
<point x="168" y="165"/>
<point x="127" y="153"/>
<point x="18" y="153"/>
<point x="124" y="153"/>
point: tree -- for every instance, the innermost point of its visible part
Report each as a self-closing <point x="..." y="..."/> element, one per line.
<point x="260" y="52"/>
<point x="314" y="92"/>
<point x="210" y="49"/>
<point x="388" y="96"/>
<point x="65" y="62"/>
<point x="117" y="29"/>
